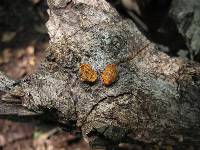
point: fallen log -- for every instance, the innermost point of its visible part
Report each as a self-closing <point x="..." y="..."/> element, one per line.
<point x="155" y="97"/>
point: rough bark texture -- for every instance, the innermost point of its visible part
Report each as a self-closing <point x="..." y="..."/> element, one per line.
<point x="186" y="14"/>
<point x="155" y="97"/>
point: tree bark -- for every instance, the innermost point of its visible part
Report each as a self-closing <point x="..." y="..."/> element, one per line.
<point x="154" y="98"/>
<point x="186" y="15"/>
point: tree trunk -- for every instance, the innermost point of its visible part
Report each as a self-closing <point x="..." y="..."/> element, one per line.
<point x="154" y="98"/>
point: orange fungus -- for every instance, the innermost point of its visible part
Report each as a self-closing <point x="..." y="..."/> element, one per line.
<point x="87" y="73"/>
<point x="109" y="74"/>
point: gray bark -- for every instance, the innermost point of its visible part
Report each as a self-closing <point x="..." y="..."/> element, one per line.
<point x="155" y="97"/>
<point x="186" y="15"/>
